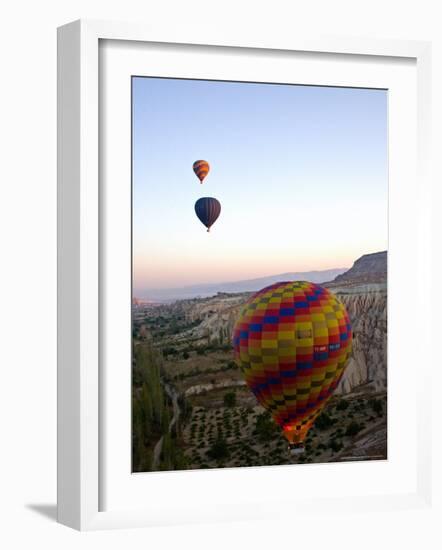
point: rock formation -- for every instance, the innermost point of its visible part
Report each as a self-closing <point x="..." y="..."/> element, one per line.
<point x="369" y="268"/>
<point x="368" y="364"/>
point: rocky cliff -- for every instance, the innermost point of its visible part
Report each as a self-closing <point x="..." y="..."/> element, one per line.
<point x="369" y="268"/>
<point x="363" y="289"/>
<point x="368" y="364"/>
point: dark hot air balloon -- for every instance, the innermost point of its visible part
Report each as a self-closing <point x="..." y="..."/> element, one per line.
<point x="201" y="169"/>
<point x="207" y="209"/>
<point x="292" y="342"/>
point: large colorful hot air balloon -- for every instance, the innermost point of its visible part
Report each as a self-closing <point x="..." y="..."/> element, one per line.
<point x="201" y="169"/>
<point x="292" y="342"/>
<point x="207" y="209"/>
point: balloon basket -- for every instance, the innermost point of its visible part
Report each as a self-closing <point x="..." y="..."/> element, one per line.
<point x="296" y="448"/>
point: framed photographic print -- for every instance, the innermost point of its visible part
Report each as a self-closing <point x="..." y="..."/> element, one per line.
<point x="234" y="226"/>
<point x="242" y="341"/>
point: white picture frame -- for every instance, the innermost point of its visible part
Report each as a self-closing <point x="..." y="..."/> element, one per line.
<point x="80" y="272"/>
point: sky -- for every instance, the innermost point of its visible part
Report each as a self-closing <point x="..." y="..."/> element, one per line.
<point x="301" y="173"/>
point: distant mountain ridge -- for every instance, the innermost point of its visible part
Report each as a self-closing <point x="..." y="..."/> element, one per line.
<point x="249" y="285"/>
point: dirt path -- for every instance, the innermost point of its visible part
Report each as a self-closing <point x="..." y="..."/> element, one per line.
<point x="171" y="392"/>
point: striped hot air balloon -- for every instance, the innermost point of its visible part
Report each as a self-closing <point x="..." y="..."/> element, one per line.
<point x="292" y="342"/>
<point x="208" y="210"/>
<point x="201" y="169"/>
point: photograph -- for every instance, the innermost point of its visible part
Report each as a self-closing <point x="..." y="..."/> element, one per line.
<point x="259" y="274"/>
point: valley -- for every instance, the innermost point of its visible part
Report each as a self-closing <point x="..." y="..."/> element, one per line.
<point x="211" y="419"/>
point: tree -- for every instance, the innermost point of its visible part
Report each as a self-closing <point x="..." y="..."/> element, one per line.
<point x="146" y="461"/>
<point x="165" y="420"/>
<point x="376" y="405"/>
<point x="146" y="404"/>
<point x="324" y="421"/>
<point x="186" y="408"/>
<point x="219" y="450"/>
<point x="167" y="453"/>
<point x="342" y="405"/>
<point x="265" y="428"/>
<point x="335" y="445"/>
<point x="353" y="428"/>
<point x="150" y="408"/>
<point x="230" y="399"/>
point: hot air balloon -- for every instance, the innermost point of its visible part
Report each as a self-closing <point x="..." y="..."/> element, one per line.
<point x="207" y="209"/>
<point x="292" y="342"/>
<point x="201" y="169"/>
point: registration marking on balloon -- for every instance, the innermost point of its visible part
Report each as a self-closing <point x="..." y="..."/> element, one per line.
<point x="292" y="342"/>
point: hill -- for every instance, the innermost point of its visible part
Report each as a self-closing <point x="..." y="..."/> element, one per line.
<point x="369" y="268"/>
<point x="248" y="285"/>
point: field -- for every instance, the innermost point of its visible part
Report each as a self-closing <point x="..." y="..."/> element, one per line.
<point x="240" y="436"/>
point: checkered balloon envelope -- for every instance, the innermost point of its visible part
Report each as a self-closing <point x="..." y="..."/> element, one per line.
<point x="292" y="342"/>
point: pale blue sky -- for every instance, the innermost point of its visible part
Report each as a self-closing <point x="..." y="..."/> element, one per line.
<point x="300" y="171"/>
